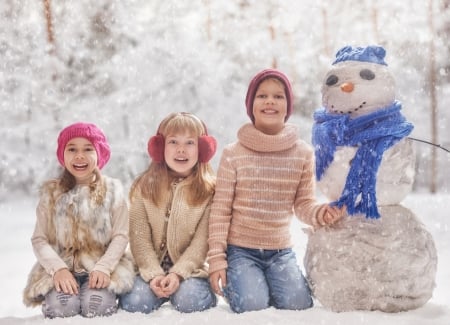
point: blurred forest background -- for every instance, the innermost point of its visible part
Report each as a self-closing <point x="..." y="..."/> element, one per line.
<point x="124" y="65"/>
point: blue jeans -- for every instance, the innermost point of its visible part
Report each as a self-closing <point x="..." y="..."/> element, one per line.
<point x="258" y="279"/>
<point x="88" y="302"/>
<point x="193" y="294"/>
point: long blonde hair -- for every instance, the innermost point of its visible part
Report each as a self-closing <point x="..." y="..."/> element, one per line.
<point x="156" y="180"/>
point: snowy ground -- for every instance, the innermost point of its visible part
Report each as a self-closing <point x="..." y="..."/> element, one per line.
<point x="17" y="258"/>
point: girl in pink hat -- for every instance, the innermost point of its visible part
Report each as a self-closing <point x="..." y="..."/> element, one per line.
<point x="81" y="232"/>
<point x="263" y="180"/>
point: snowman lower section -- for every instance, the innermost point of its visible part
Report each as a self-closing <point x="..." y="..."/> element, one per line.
<point x="386" y="264"/>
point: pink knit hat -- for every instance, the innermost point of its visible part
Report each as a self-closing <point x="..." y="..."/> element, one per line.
<point x="254" y="84"/>
<point x="90" y="132"/>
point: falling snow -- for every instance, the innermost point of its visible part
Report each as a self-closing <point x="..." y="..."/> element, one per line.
<point x="125" y="64"/>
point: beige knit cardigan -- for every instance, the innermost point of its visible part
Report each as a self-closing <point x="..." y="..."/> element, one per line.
<point x="187" y="234"/>
<point x="262" y="181"/>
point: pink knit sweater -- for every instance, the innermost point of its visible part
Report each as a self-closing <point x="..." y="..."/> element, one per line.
<point x="262" y="181"/>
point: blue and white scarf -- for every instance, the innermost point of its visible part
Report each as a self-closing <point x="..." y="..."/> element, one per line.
<point x="372" y="134"/>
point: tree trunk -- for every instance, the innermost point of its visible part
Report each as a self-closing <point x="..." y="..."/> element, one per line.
<point x="48" y="18"/>
<point x="375" y="24"/>
<point x="433" y="99"/>
<point x="326" y="39"/>
<point x="208" y="20"/>
<point x="273" y="38"/>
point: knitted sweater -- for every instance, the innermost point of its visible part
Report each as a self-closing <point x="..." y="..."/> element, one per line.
<point x="187" y="233"/>
<point x="262" y="181"/>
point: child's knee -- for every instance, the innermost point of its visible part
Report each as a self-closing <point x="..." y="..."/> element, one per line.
<point x="194" y="295"/>
<point x="60" y="305"/>
<point x="140" y="299"/>
<point x="190" y="305"/>
<point x="99" y="303"/>
<point x="293" y="301"/>
<point x="138" y="303"/>
<point x="243" y="301"/>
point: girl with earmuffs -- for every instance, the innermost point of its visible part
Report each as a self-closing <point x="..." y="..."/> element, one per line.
<point x="169" y="211"/>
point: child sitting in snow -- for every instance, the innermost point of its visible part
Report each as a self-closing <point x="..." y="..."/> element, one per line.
<point x="81" y="232"/>
<point x="170" y="205"/>
<point x="263" y="179"/>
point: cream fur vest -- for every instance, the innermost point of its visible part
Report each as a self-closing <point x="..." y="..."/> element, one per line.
<point x="78" y="224"/>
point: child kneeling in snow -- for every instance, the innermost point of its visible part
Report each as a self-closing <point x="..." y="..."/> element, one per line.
<point x="81" y="232"/>
<point x="263" y="179"/>
<point x="169" y="211"/>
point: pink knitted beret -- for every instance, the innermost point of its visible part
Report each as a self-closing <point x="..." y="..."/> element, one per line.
<point x="253" y="87"/>
<point x="90" y="132"/>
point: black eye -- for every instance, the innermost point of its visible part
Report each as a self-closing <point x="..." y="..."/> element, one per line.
<point x="332" y="80"/>
<point x="367" y="74"/>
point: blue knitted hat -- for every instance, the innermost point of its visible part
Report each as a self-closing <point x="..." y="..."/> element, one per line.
<point x="373" y="54"/>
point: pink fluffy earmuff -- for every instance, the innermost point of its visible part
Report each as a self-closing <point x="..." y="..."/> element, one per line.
<point x="207" y="145"/>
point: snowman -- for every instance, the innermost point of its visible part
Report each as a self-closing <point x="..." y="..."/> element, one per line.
<point x="380" y="256"/>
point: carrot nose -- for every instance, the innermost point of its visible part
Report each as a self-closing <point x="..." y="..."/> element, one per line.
<point x="347" y="87"/>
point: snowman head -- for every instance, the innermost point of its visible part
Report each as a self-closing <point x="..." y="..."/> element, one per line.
<point x="358" y="83"/>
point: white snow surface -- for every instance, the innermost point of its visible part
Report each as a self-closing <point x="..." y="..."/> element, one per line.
<point x="17" y="258"/>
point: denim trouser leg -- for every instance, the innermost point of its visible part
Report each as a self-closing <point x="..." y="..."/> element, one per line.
<point x="88" y="302"/>
<point x="288" y="286"/>
<point x="257" y="279"/>
<point x="59" y="304"/>
<point x="141" y="298"/>
<point x="97" y="302"/>
<point x="246" y="288"/>
<point x="194" y="294"/>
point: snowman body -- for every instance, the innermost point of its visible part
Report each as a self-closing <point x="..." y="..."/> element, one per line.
<point x="395" y="176"/>
<point x="386" y="263"/>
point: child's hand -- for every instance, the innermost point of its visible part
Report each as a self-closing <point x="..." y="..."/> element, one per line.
<point x="218" y="280"/>
<point x="155" y="285"/>
<point x="64" y="281"/>
<point x="98" y="280"/>
<point x="165" y="286"/>
<point x="170" y="283"/>
<point x="329" y="215"/>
